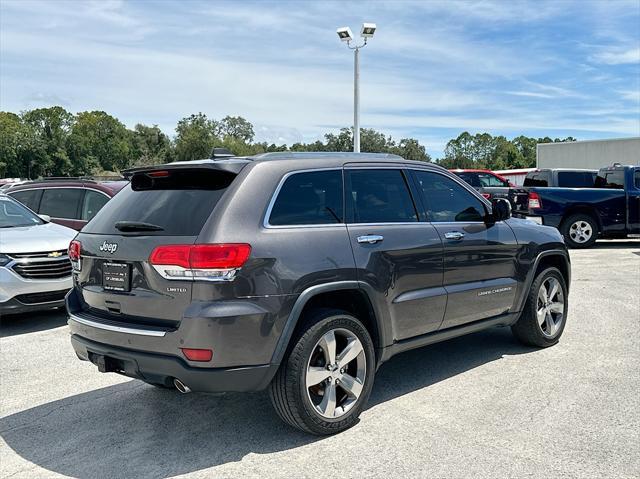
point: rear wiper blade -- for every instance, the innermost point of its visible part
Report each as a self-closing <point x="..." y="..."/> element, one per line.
<point x="137" y="226"/>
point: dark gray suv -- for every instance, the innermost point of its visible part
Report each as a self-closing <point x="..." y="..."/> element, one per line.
<point x="303" y="273"/>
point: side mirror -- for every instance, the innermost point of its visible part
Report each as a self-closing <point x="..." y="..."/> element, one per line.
<point x="45" y="218"/>
<point x="501" y="209"/>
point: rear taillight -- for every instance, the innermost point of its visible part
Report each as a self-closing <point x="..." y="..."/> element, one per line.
<point x="203" y="355"/>
<point x="74" y="254"/>
<point x="486" y="195"/>
<point x="534" y="201"/>
<point x="208" y="262"/>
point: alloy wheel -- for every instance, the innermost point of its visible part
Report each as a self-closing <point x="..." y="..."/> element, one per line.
<point x="550" y="306"/>
<point x="335" y="373"/>
<point x="581" y="231"/>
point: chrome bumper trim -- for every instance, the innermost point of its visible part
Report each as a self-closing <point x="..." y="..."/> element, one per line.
<point x="117" y="329"/>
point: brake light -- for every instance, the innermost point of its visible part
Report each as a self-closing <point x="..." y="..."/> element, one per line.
<point x="202" y="355"/>
<point x="534" y="201"/>
<point x="158" y="174"/>
<point x="74" y="254"/>
<point x="209" y="262"/>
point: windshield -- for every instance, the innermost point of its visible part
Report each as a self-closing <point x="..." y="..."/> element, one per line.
<point x="13" y="214"/>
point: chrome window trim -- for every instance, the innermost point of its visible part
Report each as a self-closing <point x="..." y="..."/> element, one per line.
<point x="265" y="222"/>
<point x="117" y="329"/>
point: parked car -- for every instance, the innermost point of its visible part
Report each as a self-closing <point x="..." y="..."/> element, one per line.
<point x="491" y="185"/>
<point x="35" y="272"/>
<point x="561" y="177"/>
<point x="611" y="209"/>
<point x="6" y="183"/>
<point x="68" y="201"/>
<point x="303" y="272"/>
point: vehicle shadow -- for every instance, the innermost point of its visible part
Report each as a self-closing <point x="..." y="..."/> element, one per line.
<point x="617" y="244"/>
<point x="13" y="324"/>
<point x="135" y="430"/>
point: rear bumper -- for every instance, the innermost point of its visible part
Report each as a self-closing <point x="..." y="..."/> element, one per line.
<point x="162" y="369"/>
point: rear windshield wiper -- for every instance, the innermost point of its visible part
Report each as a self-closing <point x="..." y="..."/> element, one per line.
<point x="137" y="226"/>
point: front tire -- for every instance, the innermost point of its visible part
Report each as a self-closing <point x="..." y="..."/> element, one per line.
<point x="325" y="381"/>
<point x="580" y="231"/>
<point x="545" y="313"/>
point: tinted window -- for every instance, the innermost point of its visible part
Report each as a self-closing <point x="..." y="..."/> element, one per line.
<point x="61" y="202"/>
<point x="471" y="178"/>
<point x="179" y="203"/>
<point x="380" y="196"/>
<point x="29" y="198"/>
<point x="446" y="200"/>
<point x="576" y="179"/>
<point x="537" y="178"/>
<point x="487" y="179"/>
<point x="93" y="202"/>
<point x="309" y="198"/>
<point x="636" y="177"/>
<point x="613" y="179"/>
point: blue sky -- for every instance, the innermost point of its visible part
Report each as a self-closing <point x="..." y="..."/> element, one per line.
<point x="433" y="70"/>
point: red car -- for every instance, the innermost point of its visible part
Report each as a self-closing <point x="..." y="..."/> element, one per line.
<point x="491" y="185"/>
<point x="68" y="201"/>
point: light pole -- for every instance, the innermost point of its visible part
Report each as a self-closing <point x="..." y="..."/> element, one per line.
<point x="344" y="33"/>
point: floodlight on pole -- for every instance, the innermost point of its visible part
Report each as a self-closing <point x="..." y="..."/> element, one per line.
<point x="345" y="35"/>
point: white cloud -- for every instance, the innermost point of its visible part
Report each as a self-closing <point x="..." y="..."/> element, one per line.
<point x="618" y="57"/>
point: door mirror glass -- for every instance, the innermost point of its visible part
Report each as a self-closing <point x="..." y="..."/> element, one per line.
<point x="501" y="209"/>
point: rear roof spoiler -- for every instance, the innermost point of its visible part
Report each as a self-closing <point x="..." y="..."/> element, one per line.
<point x="230" y="165"/>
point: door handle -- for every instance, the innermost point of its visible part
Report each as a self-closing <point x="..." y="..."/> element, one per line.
<point x="370" y="239"/>
<point x="454" y="235"/>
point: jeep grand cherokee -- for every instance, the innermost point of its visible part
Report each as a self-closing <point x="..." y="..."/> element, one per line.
<point x="302" y="273"/>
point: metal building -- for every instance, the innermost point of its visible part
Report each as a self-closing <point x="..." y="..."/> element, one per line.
<point x="589" y="154"/>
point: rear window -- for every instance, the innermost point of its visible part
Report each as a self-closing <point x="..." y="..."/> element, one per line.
<point x="29" y="198"/>
<point x="179" y="203"/>
<point x="576" y="179"/>
<point x="537" y="178"/>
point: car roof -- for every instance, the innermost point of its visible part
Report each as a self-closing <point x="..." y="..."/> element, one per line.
<point x="107" y="186"/>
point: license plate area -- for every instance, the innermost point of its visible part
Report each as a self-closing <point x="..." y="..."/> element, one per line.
<point x="116" y="276"/>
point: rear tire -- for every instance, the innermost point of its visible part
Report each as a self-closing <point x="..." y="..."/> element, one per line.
<point x="545" y="313"/>
<point x="580" y="231"/>
<point x="326" y="379"/>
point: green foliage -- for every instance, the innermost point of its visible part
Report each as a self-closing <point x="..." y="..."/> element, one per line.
<point x="493" y="152"/>
<point x="54" y="142"/>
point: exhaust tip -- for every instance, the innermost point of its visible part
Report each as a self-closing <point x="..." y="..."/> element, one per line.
<point x="180" y="386"/>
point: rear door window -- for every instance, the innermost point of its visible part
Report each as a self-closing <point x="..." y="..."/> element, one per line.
<point x="537" y="178"/>
<point x="612" y="179"/>
<point x="61" y="203"/>
<point x="309" y="198"/>
<point x="379" y="196"/>
<point x="447" y="201"/>
<point x="29" y="198"/>
<point x="576" y="179"/>
<point x="490" y="180"/>
<point x="179" y="203"/>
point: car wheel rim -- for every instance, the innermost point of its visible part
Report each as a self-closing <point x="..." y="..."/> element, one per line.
<point x="335" y="373"/>
<point x="580" y="231"/>
<point x="550" y="306"/>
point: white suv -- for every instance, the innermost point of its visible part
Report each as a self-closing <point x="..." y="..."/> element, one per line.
<point x="35" y="271"/>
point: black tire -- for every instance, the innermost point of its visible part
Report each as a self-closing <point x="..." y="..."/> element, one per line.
<point x="288" y="391"/>
<point x="528" y="329"/>
<point x="572" y="239"/>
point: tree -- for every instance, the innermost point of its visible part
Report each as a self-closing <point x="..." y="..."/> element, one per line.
<point x="98" y="140"/>
<point x="150" y="146"/>
<point x="236" y="127"/>
<point x="51" y="127"/>
<point x="196" y="135"/>
<point x="411" y="149"/>
<point x="20" y="148"/>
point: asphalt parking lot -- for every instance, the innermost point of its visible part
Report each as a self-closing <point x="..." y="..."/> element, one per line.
<point x="478" y="406"/>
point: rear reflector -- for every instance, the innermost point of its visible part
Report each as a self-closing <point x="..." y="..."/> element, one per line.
<point x="202" y="355"/>
<point x="534" y="201"/>
<point x="209" y="262"/>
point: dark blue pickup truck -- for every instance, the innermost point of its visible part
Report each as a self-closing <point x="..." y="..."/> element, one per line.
<point x="611" y="209"/>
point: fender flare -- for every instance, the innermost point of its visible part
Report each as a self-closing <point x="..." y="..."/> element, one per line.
<point x="309" y="293"/>
<point x="532" y="272"/>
